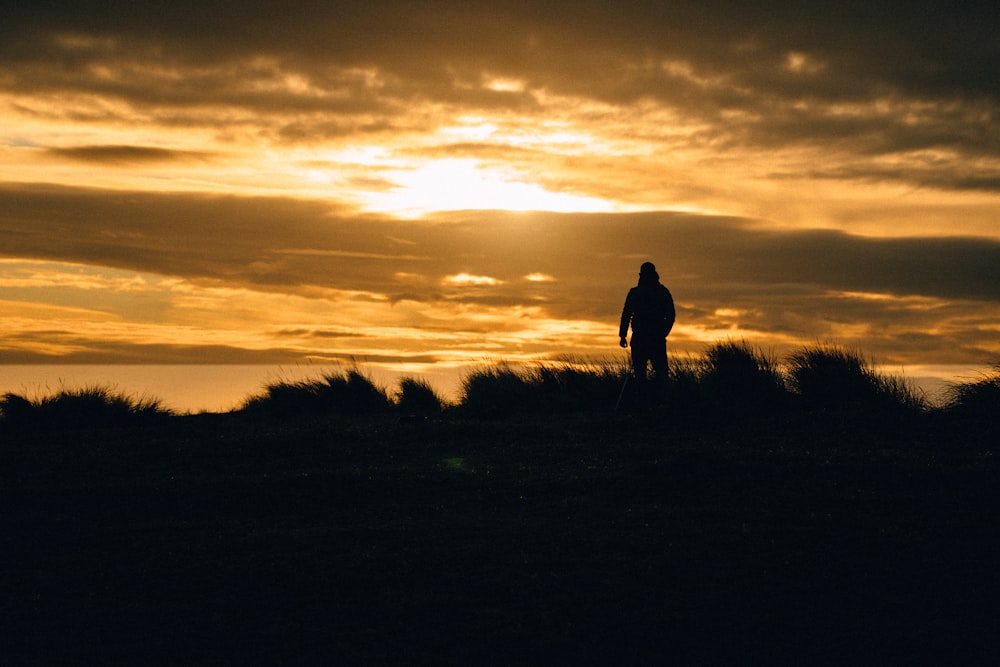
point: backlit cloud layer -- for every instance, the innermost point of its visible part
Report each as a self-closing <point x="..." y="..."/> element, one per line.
<point x="446" y="182"/>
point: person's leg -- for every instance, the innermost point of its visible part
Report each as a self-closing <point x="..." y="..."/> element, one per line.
<point x="641" y="357"/>
<point x="661" y="371"/>
<point x="640" y="360"/>
<point x="658" y="360"/>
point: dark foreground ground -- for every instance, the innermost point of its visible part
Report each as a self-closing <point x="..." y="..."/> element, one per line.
<point x="597" y="539"/>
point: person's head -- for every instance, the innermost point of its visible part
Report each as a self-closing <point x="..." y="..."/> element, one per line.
<point x="648" y="274"/>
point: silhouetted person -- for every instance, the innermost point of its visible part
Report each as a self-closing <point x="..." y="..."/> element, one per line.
<point x="649" y="308"/>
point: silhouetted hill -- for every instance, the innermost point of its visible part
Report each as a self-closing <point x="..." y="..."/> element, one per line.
<point x="511" y="530"/>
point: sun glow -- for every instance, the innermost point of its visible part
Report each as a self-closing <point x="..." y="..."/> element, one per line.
<point x="461" y="184"/>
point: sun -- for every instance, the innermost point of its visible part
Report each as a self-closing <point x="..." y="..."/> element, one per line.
<point x="462" y="184"/>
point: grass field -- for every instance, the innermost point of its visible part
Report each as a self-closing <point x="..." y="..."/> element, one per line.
<point x="687" y="531"/>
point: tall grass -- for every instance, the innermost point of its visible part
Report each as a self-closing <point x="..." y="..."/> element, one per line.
<point x="416" y="397"/>
<point x="350" y="393"/>
<point x="94" y="406"/>
<point x="496" y="391"/>
<point x="568" y="386"/>
<point x="976" y="399"/>
<point x="572" y="386"/>
<point x="827" y="376"/>
<point x="737" y="377"/>
<point x="732" y="379"/>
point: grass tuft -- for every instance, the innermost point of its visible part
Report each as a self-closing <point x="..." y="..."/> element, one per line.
<point x="495" y="391"/>
<point x="351" y="393"/>
<point x="738" y="377"/>
<point x="569" y="386"/>
<point x="576" y="386"/>
<point x="830" y="377"/>
<point x="977" y="399"/>
<point x="416" y="397"/>
<point x="94" y="406"/>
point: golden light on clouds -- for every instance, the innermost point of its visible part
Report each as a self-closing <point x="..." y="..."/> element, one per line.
<point x="467" y="279"/>
<point x="416" y="187"/>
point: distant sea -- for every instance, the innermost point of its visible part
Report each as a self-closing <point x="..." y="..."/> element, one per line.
<point x="221" y="388"/>
<point x="197" y="388"/>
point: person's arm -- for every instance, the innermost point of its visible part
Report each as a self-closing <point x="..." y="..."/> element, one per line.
<point x="625" y="321"/>
<point x="671" y="316"/>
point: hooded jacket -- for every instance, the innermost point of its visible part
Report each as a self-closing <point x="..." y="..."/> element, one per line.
<point x="649" y="308"/>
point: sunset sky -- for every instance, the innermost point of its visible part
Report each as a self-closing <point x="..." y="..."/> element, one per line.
<point x="454" y="182"/>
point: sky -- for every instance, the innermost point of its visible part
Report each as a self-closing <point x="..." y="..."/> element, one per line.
<point x="425" y="184"/>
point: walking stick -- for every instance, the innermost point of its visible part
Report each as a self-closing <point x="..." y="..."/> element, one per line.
<point x="621" y="393"/>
